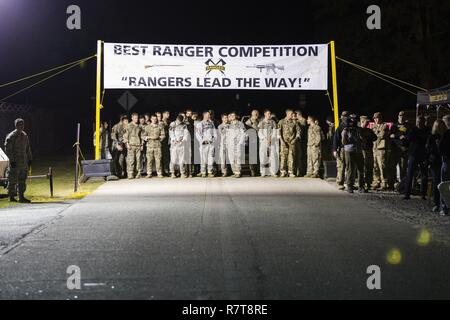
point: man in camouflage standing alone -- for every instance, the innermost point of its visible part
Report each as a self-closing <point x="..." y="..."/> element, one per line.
<point x="153" y="135"/>
<point x="17" y="147"/>
<point x="315" y="138"/>
<point x="133" y="140"/>
<point x="289" y="133"/>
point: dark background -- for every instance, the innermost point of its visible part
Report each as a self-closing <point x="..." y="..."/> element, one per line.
<point x="412" y="45"/>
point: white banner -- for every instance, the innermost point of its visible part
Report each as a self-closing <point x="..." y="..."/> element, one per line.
<point x="291" y="67"/>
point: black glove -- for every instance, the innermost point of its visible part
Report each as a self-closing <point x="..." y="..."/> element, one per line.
<point x="12" y="165"/>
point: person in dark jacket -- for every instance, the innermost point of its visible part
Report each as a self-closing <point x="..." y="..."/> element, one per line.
<point x="351" y="140"/>
<point x="435" y="159"/>
<point x="417" y="157"/>
<point x="444" y="149"/>
<point x="399" y="152"/>
<point x="338" y="151"/>
<point x="367" y="139"/>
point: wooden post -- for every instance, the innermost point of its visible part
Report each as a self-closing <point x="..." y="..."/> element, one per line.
<point x="77" y="159"/>
<point x="50" y="176"/>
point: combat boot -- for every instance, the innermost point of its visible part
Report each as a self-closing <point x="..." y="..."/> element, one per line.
<point x="211" y="175"/>
<point x="203" y="175"/>
<point x="149" y="176"/>
<point x="12" y="199"/>
<point x="283" y="175"/>
<point x="237" y="175"/>
<point x="183" y="176"/>
<point x="160" y="175"/>
<point x="291" y="175"/>
<point x="22" y="199"/>
<point x="138" y="176"/>
<point x="173" y="176"/>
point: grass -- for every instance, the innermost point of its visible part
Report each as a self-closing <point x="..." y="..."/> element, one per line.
<point x="38" y="191"/>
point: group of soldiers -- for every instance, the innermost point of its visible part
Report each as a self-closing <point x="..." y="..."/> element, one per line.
<point x="201" y="146"/>
<point x="386" y="156"/>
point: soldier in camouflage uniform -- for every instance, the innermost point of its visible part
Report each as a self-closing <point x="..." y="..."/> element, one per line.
<point x="165" y="147"/>
<point x="222" y="132"/>
<point x="236" y="144"/>
<point x="119" y="148"/>
<point x="315" y="138"/>
<point x="301" y="145"/>
<point x="17" y="148"/>
<point x="339" y="153"/>
<point x="252" y="123"/>
<point x="381" y="150"/>
<point x="268" y="151"/>
<point x="143" y="164"/>
<point x="289" y="134"/>
<point x="153" y="134"/>
<point x="133" y="140"/>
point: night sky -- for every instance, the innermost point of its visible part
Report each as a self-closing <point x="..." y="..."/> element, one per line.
<point x="34" y="37"/>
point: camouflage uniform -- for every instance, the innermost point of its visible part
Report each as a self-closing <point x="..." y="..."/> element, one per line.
<point x="153" y="134"/>
<point x="340" y="156"/>
<point x="179" y="135"/>
<point x="301" y="147"/>
<point x="133" y="139"/>
<point x="381" y="154"/>
<point x="253" y="124"/>
<point x="289" y="133"/>
<point x="222" y="131"/>
<point x="206" y="135"/>
<point x="119" y="156"/>
<point x="17" y="148"/>
<point x="144" y="161"/>
<point x="165" y="148"/>
<point x="268" y="151"/>
<point x="315" y="138"/>
<point x="236" y="145"/>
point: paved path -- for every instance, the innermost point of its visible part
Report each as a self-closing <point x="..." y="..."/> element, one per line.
<point x="249" y="238"/>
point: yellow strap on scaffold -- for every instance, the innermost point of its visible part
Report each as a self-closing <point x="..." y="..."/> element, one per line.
<point x="47" y="78"/>
<point x="329" y="99"/>
<point x="46" y="71"/>
<point x="382" y="76"/>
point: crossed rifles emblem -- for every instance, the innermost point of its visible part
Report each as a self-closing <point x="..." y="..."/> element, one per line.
<point x="215" y="66"/>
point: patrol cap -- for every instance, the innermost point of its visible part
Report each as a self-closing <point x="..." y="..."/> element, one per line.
<point x="377" y="115"/>
<point x="344" y="114"/>
<point x="401" y="113"/>
<point x="18" y="121"/>
<point x="364" y="118"/>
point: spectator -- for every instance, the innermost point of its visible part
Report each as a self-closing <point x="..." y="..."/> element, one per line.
<point x="417" y="157"/>
<point x="435" y="159"/>
<point x="444" y="149"/>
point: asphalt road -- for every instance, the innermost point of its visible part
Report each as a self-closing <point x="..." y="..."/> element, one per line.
<point x="249" y="238"/>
